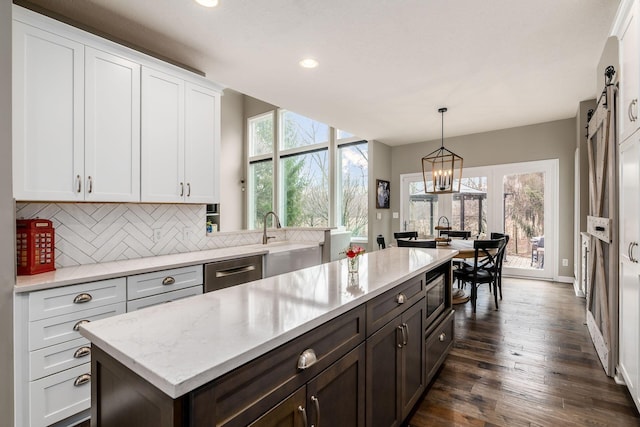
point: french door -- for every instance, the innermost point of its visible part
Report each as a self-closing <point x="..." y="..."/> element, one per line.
<point x="519" y="199"/>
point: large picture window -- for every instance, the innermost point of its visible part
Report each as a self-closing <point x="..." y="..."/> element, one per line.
<point x="311" y="174"/>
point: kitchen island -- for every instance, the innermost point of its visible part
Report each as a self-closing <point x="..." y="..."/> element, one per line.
<point x="243" y="354"/>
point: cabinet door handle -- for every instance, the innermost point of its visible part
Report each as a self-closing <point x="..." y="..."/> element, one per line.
<point x="303" y="412"/>
<point x="307" y="359"/>
<point x="90" y="184"/>
<point x="168" y="281"/>
<point x="82" y="298"/>
<point x="181" y="189"/>
<point x="316" y="402"/>
<point x="442" y="337"/>
<point x="401" y="299"/>
<point x="631" y="257"/>
<point x="76" y="327"/>
<point x="405" y="334"/>
<point x="79" y="182"/>
<point x="632" y="116"/>
<point x="400" y="336"/>
<point x="188" y="189"/>
<point x="82" y="379"/>
<point x="82" y="352"/>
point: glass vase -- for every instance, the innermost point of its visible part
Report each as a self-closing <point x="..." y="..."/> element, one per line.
<point x="353" y="264"/>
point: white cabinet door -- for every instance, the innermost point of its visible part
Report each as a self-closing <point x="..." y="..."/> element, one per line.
<point x="630" y="74"/>
<point x="202" y="144"/>
<point x="629" y="266"/>
<point x="48" y="122"/>
<point x="112" y="125"/>
<point x="162" y="131"/>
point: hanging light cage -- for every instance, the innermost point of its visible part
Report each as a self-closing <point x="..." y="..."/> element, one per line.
<point x="442" y="169"/>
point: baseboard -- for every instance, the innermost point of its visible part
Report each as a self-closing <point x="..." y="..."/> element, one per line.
<point x="565" y="279"/>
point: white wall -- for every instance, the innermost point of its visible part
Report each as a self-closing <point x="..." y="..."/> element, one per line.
<point x="232" y="161"/>
<point x="7" y="222"/>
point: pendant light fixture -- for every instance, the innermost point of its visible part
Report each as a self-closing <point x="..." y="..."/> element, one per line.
<point x="442" y="169"/>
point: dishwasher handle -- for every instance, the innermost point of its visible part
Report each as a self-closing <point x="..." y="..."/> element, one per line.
<point x="237" y="270"/>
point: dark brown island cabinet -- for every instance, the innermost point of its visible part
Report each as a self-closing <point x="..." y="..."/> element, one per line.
<point x="366" y="367"/>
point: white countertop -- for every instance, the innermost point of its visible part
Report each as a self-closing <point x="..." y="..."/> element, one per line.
<point x="108" y="270"/>
<point x="182" y="345"/>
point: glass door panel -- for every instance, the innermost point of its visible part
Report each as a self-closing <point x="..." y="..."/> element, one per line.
<point x="523" y="220"/>
<point x="422" y="210"/>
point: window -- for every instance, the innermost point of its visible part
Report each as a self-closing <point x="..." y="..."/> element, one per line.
<point x="302" y="160"/>
<point x="469" y="207"/>
<point x="353" y="179"/>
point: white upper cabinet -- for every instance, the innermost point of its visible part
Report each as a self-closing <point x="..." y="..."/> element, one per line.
<point x="112" y="128"/>
<point x="630" y="74"/>
<point x="202" y="144"/>
<point x="180" y="140"/>
<point x="96" y="121"/>
<point x="48" y="115"/>
<point x="162" y="137"/>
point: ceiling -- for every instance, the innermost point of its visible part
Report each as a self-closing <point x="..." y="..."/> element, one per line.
<point x="385" y="66"/>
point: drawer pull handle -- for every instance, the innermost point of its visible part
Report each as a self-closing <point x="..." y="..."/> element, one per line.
<point x="83" y="297"/>
<point x="82" y="379"/>
<point x="76" y="327"/>
<point x="401" y="299"/>
<point x="405" y="334"/>
<point x="82" y="352"/>
<point x="232" y="271"/>
<point x="303" y="412"/>
<point x="181" y="189"/>
<point x="168" y="281"/>
<point x="442" y="337"/>
<point x="399" y="336"/>
<point x="307" y="359"/>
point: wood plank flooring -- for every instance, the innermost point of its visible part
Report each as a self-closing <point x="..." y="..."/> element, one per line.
<point x="531" y="363"/>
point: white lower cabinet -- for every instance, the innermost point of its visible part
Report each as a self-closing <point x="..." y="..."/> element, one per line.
<point x="53" y="369"/>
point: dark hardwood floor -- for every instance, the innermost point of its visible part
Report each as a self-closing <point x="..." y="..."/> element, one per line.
<point x="529" y="364"/>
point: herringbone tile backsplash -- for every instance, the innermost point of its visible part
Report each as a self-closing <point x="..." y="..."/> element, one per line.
<point x="88" y="233"/>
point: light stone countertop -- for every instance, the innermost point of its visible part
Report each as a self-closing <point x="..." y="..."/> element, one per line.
<point x="108" y="270"/>
<point x="184" y="344"/>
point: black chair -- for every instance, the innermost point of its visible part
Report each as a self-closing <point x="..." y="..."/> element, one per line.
<point x="456" y="234"/>
<point x="405" y="235"/>
<point x="381" y="243"/>
<point x="416" y="243"/>
<point x="501" y="256"/>
<point x="485" y="266"/>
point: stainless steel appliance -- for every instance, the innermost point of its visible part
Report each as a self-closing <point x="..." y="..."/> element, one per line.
<point x="222" y="274"/>
<point x="436" y="295"/>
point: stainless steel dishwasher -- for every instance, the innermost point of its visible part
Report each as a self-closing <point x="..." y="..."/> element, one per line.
<point x="222" y="274"/>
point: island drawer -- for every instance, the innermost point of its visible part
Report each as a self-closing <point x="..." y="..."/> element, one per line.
<point x="56" y="330"/>
<point x="438" y="344"/>
<point x="59" y="396"/>
<point x="382" y="309"/>
<point x="56" y="358"/>
<point x="140" y="303"/>
<point x="71" y="299"/>
<point x="159" y="282"/>
<point x="259" y="385"/>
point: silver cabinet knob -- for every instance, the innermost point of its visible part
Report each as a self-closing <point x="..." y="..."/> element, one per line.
<point x="307" y="359"/>
<point x="401" y="299"/>
<point x="442" y="337"/>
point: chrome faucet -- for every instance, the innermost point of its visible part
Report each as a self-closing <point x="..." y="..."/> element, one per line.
<point x="265" y="238"/>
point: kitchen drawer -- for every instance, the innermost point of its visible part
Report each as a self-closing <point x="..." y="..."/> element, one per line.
<point x="59" y="329"/>
<point x="262" y="383"/>
<point x="56" y="358"/>
<point x="70" y="299"/>
<point x="438" y="345"/>
<point x="59" y="396"/>
<point x="158" y="282"/>
<point x="139" y="303"/>
<point x="382" y="309"/>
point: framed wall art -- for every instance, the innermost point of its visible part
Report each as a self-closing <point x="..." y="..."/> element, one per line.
<point x="382" y="194"/>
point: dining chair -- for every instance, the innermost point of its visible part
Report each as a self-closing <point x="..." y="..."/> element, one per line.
<point x="405" y="235"/>
<point x="456" y="234"/>
<point x="501" y="256"/>
<point x="485" y="266"/>
<point x="416" y="243"/>
<point x="381" y="243"/>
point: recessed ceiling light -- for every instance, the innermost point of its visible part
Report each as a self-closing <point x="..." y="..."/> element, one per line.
<point x="309" y="63"/>
<point x="207" y="3"/>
